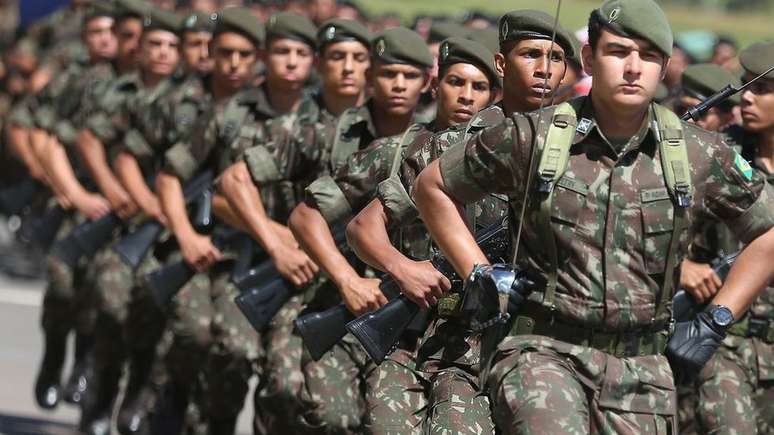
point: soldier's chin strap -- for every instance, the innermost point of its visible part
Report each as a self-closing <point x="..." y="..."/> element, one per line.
<point x="697" y="112"/>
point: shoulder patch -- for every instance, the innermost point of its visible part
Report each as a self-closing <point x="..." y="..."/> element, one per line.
<point x="744" y="167"/>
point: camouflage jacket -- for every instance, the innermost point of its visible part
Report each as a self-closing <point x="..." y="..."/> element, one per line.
<point x="64" y="105"/>
<point x="611" y="216"/>
<point x="711" y="238"/>
<point x="446" y="341"/>
<point x="222" y="135"/>
<point x="164" y="117"/>
<point x="284" y="167"/>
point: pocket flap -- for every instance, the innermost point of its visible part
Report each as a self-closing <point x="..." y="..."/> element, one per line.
<point x="658" y="216"/>
<point x="639" y="384"/>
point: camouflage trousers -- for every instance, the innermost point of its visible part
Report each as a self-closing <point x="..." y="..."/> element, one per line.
<point x="539" y="385"/>
<point x="395" y="399"/>
<point x="276" y="400"/>
<point x="734" y="393"/>
<point x="68" y="302"/>
<point x="234" y="353"/>
<point x="332" y="395"/>
<point x="449" y="358"/>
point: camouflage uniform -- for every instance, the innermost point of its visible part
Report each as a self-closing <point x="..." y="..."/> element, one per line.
<point x="230" y="128"/>
<point x="593" y="361"/>
<point x="276" y="400"/>
<point x="734" y="392"/>
<point x="448" y="357"/>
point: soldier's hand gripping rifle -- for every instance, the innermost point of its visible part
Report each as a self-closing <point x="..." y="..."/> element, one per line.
<point x="684" y="307"/>
<point x="264" y="291"/>
<point x="380" y="330"/>
<point x="87" y="238"/>
<point x="164" y="283"/>
<point x="697" y="112"/>
<point x="133" y="247"/>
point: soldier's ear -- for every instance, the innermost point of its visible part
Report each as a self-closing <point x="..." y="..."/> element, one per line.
<point x="665" y="68"/>
<point x="428" y="81"/>
<point x="500" y="64"/>
<point x="587" y="53"/>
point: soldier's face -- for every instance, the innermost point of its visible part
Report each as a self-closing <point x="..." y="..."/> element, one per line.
<point x="343" y="68"/>
<point x="626" y="71"/>
<point x="288" y="63"/>
<point x="196" y="51"/>
<point x="758" y="105"/>
<point x="128" y="32"/>
<point x="397" y="87"/>
<point x="463" y="90"/>
<point x="99" y="38"/>
<point x="234" y="57"/>
<point x="160" y="52"/>
<point x="524" y="68"/>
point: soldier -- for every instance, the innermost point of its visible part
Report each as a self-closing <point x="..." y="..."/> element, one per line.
<point x="699" y="82"/>
<point x="124" y="307"/>
<point x="239" y="123"/>
<point x="343" y="58"/>
<point x="734" y="393"/>
<point x="398" y="74"/>
<point x="583" y="351"/>
<point x="468" y="82"/>
<point x="54" y="115"/>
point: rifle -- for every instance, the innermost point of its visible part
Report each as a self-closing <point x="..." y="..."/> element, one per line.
<point x="133" y="247"/>
<point x="42" y="231"/>
<point x="322" y="330"/>
<point x="697" y="112"/>
<point x="380" y="330"/>
<point x="164" y="283"/>
<point x="14" y="198"/>
<point x="684" y="307"/>
<point x="264" y="291"/>
<point x="87" y="238"/>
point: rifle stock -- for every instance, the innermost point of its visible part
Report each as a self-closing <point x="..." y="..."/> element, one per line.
<point x="43" y="229"/>
<point x="380" y="330"/>
<point x="14" y="198"/>
<point x="135" y="246"/>
<point x="321" y="331"/>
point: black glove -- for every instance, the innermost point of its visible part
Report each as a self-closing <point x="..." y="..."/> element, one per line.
<point x="692" y="344"/>
<point x="502" y="278"/>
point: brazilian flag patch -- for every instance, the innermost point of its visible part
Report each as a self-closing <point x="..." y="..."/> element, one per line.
<point x="744" y="167"/>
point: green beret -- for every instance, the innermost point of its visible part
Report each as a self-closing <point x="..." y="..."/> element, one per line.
<point x="401" y="45"/>
<point x="241" y="20"/>
<point x="440" y="30"/>
<point x="461" y="50"/>
<point x="159" y="19"/>
<point x="532" y="24"/>
<point x="199" y="22"/>
<point x="131" y="8"/>
<point x="293" y="26"/>
<point x="340" y="29"/>
<point x="704" y="79"/>
<point x="104" y="8"/>
<point x="758" y="58"/>
<point x="638" y="19"/>
<point x="489" y="37"/>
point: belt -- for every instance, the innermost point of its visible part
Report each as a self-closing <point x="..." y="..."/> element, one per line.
<point x="538" y="320"/>
<point x="751" y="326"/>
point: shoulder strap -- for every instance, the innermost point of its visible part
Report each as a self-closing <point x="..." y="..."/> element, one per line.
<point x="341" y="148"/>
<point x="407" y="139"/>
<point x="676" y="168"/>
<point x="553" y="163"/>
<point x="233" y="118"/>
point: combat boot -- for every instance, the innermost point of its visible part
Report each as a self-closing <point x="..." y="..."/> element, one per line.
<point x="82" y="372"/>
<point x="97" y="406"/>
<point x="138" y="395"/>
<point x="223" y="426"/>
<point x="169" y="415"/>
<point x="47" y="385"/>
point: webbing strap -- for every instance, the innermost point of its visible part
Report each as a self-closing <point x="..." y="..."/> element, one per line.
<point x="553" y="163"/>
<point x="341" y="149"/>
<point x="676" y="169"/>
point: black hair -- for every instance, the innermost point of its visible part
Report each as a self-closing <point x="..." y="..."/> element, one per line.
<point x="595" y="26"/>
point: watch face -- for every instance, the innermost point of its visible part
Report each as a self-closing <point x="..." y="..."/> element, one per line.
<point x="722" y="316"/>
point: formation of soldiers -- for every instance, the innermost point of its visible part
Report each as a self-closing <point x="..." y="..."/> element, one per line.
<point x="203" y="181"/>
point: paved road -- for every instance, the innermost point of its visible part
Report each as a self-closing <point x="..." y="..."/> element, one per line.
<point x="20" y="353"/>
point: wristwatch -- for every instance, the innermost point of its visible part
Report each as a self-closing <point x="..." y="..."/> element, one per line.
<point x="721" y="315"/>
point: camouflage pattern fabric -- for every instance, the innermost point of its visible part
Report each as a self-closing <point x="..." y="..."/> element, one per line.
<point x="733" y="391"/>
<point x="609" y="275"/>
